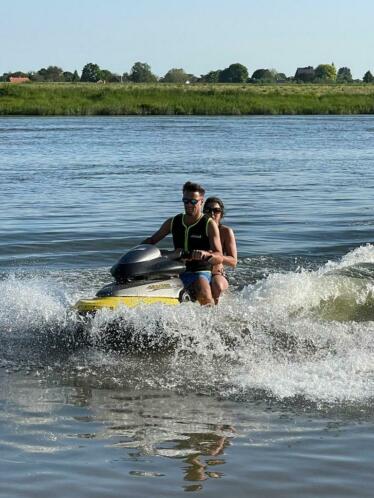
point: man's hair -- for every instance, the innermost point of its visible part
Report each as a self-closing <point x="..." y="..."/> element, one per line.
<point x="193" y="187"/>
<point x="217" y="200"/>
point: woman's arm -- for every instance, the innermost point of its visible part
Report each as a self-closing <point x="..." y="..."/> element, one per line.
<point x="214" y="256"/>
<point x="230" y="257"/>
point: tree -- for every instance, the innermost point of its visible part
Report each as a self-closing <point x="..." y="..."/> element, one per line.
<point x="125" y="78"/>
<point x="263" y="76"/>
<point x="344" y="75"/>
<point x="105" y="75"/>
<point x="176" y="76"/>
<point x="18" y="74"/>
<point x="325" y="72"/>
<point x="280" y="77"/>
<point x="35" y="76"/>
<point x="235" y="73"/>
<point x="75" y="76"/>
<point x="114" y="78"/>
<point x="141" y="73"/>
<point x="52" y="73"/>
<point x="41" y="74"/>
<point x="67" y="76"/>
<point x="211" y="77"/>
<point x="90" y="73"/>
<point x="368" y="77"/>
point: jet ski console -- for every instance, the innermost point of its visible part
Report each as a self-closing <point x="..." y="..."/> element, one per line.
<point x="146" y="262"/>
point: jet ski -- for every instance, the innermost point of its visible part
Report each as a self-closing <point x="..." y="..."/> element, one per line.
<point x="143" y="275"/>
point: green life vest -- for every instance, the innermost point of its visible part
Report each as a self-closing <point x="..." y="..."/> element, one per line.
<point x="190" y="237"/>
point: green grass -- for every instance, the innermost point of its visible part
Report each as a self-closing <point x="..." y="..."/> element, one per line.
<point x="67" y="99"/>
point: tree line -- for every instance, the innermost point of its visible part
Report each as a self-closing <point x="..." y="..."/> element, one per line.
<point x="235" y="73"/>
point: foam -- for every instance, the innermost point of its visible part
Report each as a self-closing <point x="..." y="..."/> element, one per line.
<point x="275" y="336"/>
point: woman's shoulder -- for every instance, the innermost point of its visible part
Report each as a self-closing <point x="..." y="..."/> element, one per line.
<point x="226" y="231"/>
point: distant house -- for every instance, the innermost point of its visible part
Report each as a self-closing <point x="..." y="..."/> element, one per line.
<point x="305" y="74"/>
<point x="19" y="79"/>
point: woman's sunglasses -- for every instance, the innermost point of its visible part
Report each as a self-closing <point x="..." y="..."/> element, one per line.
<point x="212" y="210"/>
<point x="190" y="201"/>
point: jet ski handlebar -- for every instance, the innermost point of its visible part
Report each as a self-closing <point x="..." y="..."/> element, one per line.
<point x="182" y="255"/>
<point x="176" y="255"/>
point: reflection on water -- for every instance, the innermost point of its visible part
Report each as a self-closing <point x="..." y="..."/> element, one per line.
<point x="49" y="418"/>
<point x="187" y="442"/>
<point x="204" y="445"/>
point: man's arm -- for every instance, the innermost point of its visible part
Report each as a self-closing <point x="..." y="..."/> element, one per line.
<point x="161" y="233"/>
<point x="214" y="256"/>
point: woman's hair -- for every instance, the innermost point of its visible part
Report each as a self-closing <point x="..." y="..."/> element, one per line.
<point x="211" y="200"/>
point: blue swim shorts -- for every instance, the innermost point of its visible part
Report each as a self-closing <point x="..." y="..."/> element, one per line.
<point x="190" y="277"/>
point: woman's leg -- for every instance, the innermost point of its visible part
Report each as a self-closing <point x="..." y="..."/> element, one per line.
<point x="219" y="285"/>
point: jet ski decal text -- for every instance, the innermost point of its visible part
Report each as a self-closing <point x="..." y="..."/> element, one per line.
<point x="159" y="286"/>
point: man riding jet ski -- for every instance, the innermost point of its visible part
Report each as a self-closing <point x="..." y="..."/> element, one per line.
<point x="198" y="235"/>
<point x="147" y="275"/>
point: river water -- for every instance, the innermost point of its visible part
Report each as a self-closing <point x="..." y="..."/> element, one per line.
<point x="269" y="394"/>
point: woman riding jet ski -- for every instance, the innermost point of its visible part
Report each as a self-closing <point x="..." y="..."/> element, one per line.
<point x="144" y="275"/>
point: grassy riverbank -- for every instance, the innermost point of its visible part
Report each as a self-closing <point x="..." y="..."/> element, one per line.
<point x="69" y="99"/>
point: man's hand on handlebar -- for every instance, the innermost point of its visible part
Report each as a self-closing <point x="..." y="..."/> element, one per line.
<point x="195" y="255"/>
<point x="199" y="255"/>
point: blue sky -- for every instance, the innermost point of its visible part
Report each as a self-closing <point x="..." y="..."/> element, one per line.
<point x="198" y="35"/>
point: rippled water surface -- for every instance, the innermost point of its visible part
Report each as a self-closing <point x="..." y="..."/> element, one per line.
<point x="269" y="394"/>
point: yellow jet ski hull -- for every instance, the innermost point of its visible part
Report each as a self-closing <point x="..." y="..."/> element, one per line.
<point x="112" y="302"/>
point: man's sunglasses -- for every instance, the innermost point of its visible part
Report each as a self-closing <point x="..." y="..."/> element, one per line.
<point x="190" y="201"/>
<point x="212" y="210"/>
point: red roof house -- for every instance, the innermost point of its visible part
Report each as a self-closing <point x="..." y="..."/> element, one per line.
<point x="19" y="79"/>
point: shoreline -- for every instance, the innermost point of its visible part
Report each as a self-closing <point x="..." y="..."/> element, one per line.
<point x="160" y="99"/>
